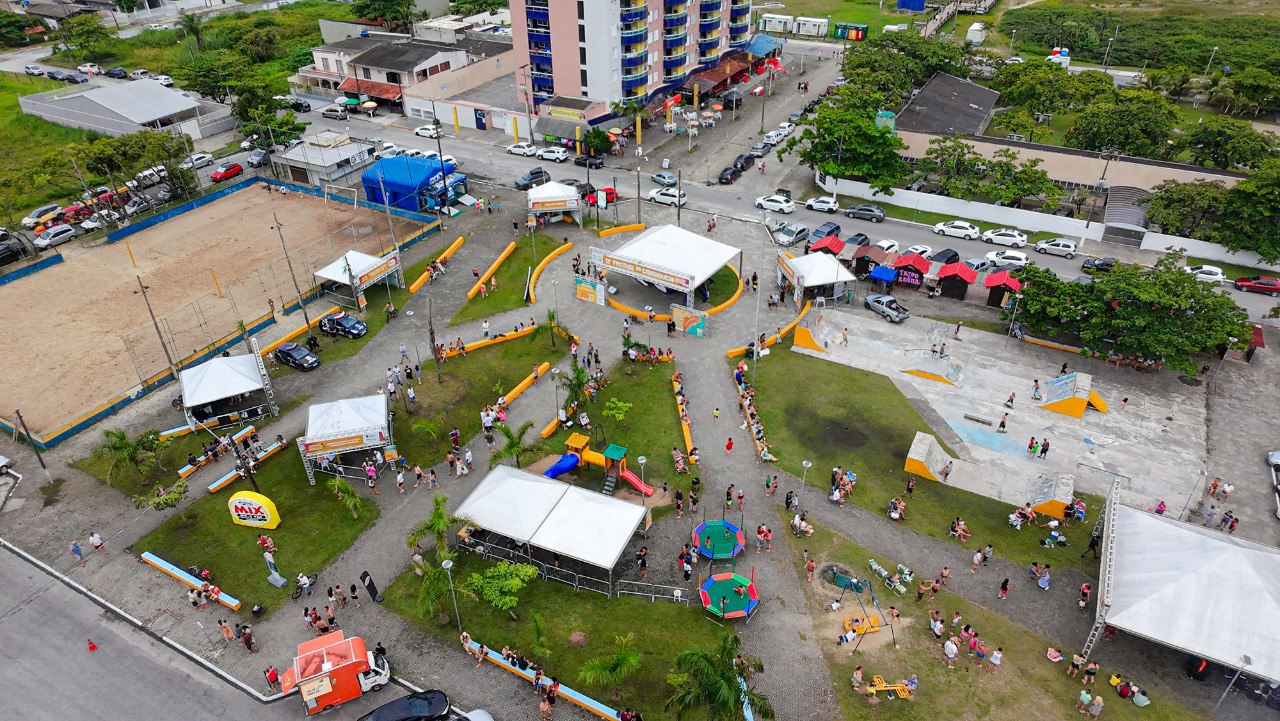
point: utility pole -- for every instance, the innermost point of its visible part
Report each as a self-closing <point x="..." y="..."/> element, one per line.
<point x="679" y="194"/>
<point x="444" y="185"/>
<point x="173" y="368"/>
<point x="391" y="227"/>
<point x="1106" y="58"/>
<point x="289" y="262"/>
<point x="32" y="441"/>
<point x="638" y="194"/>
<point x="431" y="335"/>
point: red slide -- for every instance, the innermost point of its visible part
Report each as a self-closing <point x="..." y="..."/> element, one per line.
<point x="640" y="485"/>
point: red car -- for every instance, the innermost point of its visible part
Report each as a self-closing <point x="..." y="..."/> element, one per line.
<point x="226" y="171"/>
<point x="610" y="196"/>
<point x="1259" y="284"/>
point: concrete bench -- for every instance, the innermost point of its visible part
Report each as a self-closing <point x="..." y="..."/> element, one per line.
<point x="586" y="702"/>
<point x="979" y="419"/>
<point x="167" y="568"/>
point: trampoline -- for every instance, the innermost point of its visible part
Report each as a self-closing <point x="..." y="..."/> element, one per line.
<point x="718" y="539"/>
<point x="737" y="592"/>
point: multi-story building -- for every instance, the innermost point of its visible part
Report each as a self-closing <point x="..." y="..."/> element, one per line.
<point x="621" y="50"/>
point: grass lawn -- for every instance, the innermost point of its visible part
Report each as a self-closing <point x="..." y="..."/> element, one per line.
<point x="511" y="276"/>
<point x="32" y="152"/>
<point x="861" y="422"/>
<point x="651" y="427"/>
<point x="1232" y="270"/>
<point x="723" y="285"/>
<point x="315" y="528"/>
<point x="1027" y="685"/>
<point x="853" y="11"/>
<point x="662" y="630"/>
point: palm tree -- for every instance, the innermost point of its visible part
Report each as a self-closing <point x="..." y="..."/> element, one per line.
<point x="612" y="669"/>
<point x="127" y="456"/>
<point x="709" y="683"/>
<point x="193" y="25"/>
<point x="513" y="444"/>
<point x="437" y="525"/>
<point x="550" y="328"/>
<point x="574" y="384"/>
<point x="345" y="493"/>
<point x="432" y="425"/>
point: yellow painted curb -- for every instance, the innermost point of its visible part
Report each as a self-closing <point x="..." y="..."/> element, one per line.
<point x="484" y="277"/>
<point x="620" y="229"/>
<point x="773" y="338"/>
<point x="533" y="280"/>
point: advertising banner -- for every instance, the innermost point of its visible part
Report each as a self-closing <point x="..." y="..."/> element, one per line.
<point x="253" y="509"/>
<point x="689" y="321"/>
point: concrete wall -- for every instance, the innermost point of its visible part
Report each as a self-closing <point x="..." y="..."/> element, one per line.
<point x="460" y="80"/>
<point x="1203" y="249"/>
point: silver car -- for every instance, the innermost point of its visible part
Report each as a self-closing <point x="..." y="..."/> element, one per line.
<point x="1057" y="246"/>
<point x="887" y="306"/>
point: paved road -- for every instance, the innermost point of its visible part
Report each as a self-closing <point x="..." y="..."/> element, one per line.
<point x="48" y="673"/>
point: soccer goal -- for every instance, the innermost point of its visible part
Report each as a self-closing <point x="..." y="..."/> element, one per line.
<point x="341" y="194"/>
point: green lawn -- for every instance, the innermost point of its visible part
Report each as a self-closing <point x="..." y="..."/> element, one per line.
<point x="511" y="276"/>
<point x="1027" y="685"/>
<point x="315" y="528"/>
<point x="852" y="11"/>
<point x="661" y="629"/>
<point x="34" y="168"/>
<point x="723" y="285"/>
<point x="860" y="421"/>
<point x="1232" y="270"/>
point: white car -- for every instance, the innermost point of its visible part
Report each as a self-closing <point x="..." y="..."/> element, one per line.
<point x="1057" y="246"/>
<point x="1009" y="257"/>
<point x="100" y="219"/>
<point x="446" y="158"/>
<point x="1005" y="236"/>
<point x="786" y="128"/>
<point x="776" y="202"/>
<point x="773" y="137"/>
<point x="919" y="249"/>
<point x="33" y="70"/>
<point x="427" y="131"/>
<point x="668" y="196"/>
<point x="528" y="149"/>
<point x="164" y="80"/>
<point x="824" y="204"/>
<point x="554" y="152"/>
<point x="90" y="69"/>
<point x="197" y="160"/>
<point x="413" y="153"/>
<point x="888" y="246"/>
<point x="1207" y="273"/>
<point x="958" y="229"/>
<point x="56" y="235"/>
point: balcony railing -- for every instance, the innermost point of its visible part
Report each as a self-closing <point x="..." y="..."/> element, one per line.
<point x="535" y="13"/>
<point x="674" y="76"/>
<point x="633" y="15"/>
<point x="635" y="83"/>
<point x="542" y="55"/>
<point x="675" y="20"/>
<point x="634" y="61"/>
<point x="673" y="62"/>
<point x="635" y="34"/>
<point x="709" y="5"/>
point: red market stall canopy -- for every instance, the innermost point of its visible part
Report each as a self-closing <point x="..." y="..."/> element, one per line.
<point x="831" y="244"/>
<point x="914" y="260"/>
<point x="1003" y="278"/>
<point x="965" y="273"/>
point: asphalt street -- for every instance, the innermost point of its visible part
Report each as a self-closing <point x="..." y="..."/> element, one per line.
<point x="48" y="672"/>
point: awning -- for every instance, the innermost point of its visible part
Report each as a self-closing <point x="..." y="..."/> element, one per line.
<point x="386" y="91"/>
<point x="913" y="260"/>
<point x="762" y="45"/>
<point x="1003" y="278"/>
<point x="219" y="378"/>
<point x="884" y="274"/>
<point x="831" y="244"/>
<point x="872" y="252"/>
<point x="559" y="127"/>
<point x="966" y="273"/>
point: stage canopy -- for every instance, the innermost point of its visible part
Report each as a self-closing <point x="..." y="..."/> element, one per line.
<point x="553" y="515"/>
<point x="350" y="424"/>
<point x="553" y="197"/>
<point x="671" y="257"/>
<point x="365" y="269"/>
<point x="819" y="269"/>
<point x="219" y="378"/>
<point x="1194" y="589"/>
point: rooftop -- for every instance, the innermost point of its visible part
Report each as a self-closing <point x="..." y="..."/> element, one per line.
<point x="948" y="105"/>
<point x="357" y="44"/>
<point x="405" y="56"/>
<point x="140" y="101"/>
<point x="321" y="156"/>
<point x="497" y="93"/>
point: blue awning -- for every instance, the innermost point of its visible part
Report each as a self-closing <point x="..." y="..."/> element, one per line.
<point x="762" y="45"/>
<point x="884" y="274"/>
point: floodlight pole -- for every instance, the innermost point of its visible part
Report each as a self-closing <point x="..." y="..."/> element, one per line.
<point x="447" y="565"/>
<point x="173" y="368"/>
<point x="296" y="288"/>
<point x="804" y="478"/>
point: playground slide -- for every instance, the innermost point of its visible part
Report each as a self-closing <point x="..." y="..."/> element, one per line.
<point x="567" y="462"/>
<point x="640" y="485"/>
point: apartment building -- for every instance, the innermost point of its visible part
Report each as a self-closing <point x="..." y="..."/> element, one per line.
<point x="621" y="50"/>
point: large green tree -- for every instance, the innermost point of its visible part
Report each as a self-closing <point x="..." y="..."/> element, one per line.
<point x="1038" y="85"/>
<point x="1224" y="142"/>
<point x="1137" y="122"/>
<point x="1186" y="209"/>
<point x="953" y="163"/>
<point x="82" y="34"/>
<point x="1250" y="219"/>
<point x="390" y="12"/>
<point x="218" y="74"/>
<point x="119" y="159"/>
<point x="1092" y="85"/>
<point x="841" y="139"/>
<point x="1010" y="180"/>
<point x="906" y="55"/>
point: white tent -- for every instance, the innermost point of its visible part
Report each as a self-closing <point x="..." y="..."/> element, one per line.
<point x="219" y="378"/>
<point x="819" y="269"/>
<point x="553" y="196"/>
<point x="364" y="268"/>
<point x="670" y="256"/>
<point x="350" y="424"/>
<point x="1195" y="589"/>
<point x="553" y="515"/>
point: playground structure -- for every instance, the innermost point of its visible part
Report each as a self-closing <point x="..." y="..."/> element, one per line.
<point x="1052" y="494"/>
<point x="613" y="461"/>
<point x="1071" y="395"/>
<point x="730" y="595"/>
<point x="879" y="684"/>
<point x="862" y="626"/>
<point x="926" y="458"/>
<point x="718" y="539"/>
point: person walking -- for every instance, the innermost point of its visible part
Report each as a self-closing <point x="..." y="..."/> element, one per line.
<point x="1209" y="514"/>
<point x="1009" y="403"/>
<point x="1085" y="698"/>
<point x="987" y="552"/>
<point x="977" y="561"/>
<point x="1044" y="448"/>
<point x="98" y="544"/>
<point x="228" y="634"/>
<point x="273" y="678"/>
<point x="728" y="447"/>
<point x="809" y="568"/>
<point x="77" y="553"/>
<point x="1043" y="581"/>
<point x="1004" y="590"/>
<point x="955" y="334"/>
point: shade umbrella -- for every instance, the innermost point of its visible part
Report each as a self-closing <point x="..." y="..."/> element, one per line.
<point x="708" y="114"/>
<point x="369" y="104"/>
<point x="717" y="106"/>
<point x="616" y="131"/>
<point x="349" y="101"/>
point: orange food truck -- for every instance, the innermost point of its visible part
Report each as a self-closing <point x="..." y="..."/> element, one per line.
<point x="331" y="670"/>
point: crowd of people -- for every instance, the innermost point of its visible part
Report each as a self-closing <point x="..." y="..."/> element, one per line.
<point x="751" y="419"/>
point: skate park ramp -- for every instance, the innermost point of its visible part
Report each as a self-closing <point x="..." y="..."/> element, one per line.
<point x="1071" y="395"/>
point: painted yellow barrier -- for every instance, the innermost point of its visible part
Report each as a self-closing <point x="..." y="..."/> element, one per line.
<point x="492" y="341"/>
<point x="297" y="332"/>
<point x="725" y="305"/>
<point x="484" y="277"/>
<point x="523" y="385"/>
<point x="550" y="429"/>
<point x="684" y="427"/>
<point x="773" y="338"/>
<point x="664" y="317"/>
<point x="453" y="248"/>
<point x="533" y="279"/>
<point x="620" y="229"/>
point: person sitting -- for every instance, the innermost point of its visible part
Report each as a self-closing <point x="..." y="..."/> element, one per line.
<point x="564" y="419"/>
<point x="897" y="510"/>
<point x="765" y="455"/>
<point x="836" y="498"/>
<point x="1016" y="520"/>
<point x="1139" y="697"/>
<point x="912" y="683"/>
<point x="962" y="531"/>
<point x="584" y="420"/>
<point x="1124" y="690"/>
<point x="693" y="455"/>
<point x="390" y="309"/>
<point x="192" y="460"/>
<point x="1053" y="654"/>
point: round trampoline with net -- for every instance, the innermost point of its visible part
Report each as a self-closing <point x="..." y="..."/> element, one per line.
<point x="718" y="539"/>
<point x="729" y="595"/>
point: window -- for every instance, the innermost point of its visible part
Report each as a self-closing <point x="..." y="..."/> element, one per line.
<point x="582" y="56"/>
<point x="393" y="78"/>
<point x="341" y="68"/>
<point x="584" y="77"/>
<point x="324" y="63"/>
<point x="367" y="76"/>
<point x="582" y="34"/>
<point x="581" y="9"/>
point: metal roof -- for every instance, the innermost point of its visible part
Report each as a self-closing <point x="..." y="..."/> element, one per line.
<point x="948" y="105"/>
<point x="141" y="101"/>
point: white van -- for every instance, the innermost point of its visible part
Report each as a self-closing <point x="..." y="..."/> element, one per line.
<point x="140" y="75"/>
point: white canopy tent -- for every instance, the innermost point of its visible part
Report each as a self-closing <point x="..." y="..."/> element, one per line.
<point x="1194" y="589"/>
<point x="552" y="515"/>
<point x="555" y="198"/>
<point x="669" y="256"/>
<point x="212" y="391"/>
<point x="358" y="271"/>
<point x="813" y="273"/>
<point x="345" y="426"/>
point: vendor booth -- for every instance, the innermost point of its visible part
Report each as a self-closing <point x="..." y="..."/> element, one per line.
<point x="1002" y="286"/>
<point x="867" y="257"/>
<point x="345" y="279"/>
<point x="340" y="431"/>
<point x="413" y="184"/>
<point x="671" y="258"/>
<point x="818" y="277"/>
<point x="882" y="278"/>
<point x="954" y="280"/>
<point x="830" y="244"/>
<point x="225" y="391"/>
<point x="551" y="202"/>
<point x="912" y="270"/>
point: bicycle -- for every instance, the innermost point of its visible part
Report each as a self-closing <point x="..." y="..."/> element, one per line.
<point x="298" y="590"/>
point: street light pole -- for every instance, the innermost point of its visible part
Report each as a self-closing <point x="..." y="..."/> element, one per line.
<point x="555" y="383"/>
<point x="1013" y="322"/>
<point x="804" y="477"/>
<point x="296" y="288"/>
<point x="642" y="460"/>
<point x="447" y="565"/>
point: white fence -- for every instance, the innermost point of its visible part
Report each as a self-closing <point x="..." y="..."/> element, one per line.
<point x="1204" y="249"/>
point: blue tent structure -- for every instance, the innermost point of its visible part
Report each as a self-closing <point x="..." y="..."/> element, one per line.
<point x="884" y="274"/>
<point x="413" y="184"/>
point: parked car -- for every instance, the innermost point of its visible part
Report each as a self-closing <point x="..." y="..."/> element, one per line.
<point x="887" y="306"/>
<point x="335" y="112"/>
<point x="777" y="203"/>
<point x="148" y="177"/>
<point x="858" y="239"/>
<point x="589" y="161"/>
<point x="795" y="117"/>
<point x="417" y="706"/>
<point x="584" y="188"/>
<point x="167" y="81"/>
<point x="729" y="174"/>
<point x="786" y="128"/>
<point x="75" y="78"/>
<point x="946" y="255"/>
<point x="822" y="204"/>
<point x="958" y="229"/>
<point x="980" y="265"/>
<point x="118" y="73"/>
<point x="1207" y="273"/>
<point x="919" y="249"/>
<point x="743" y="162"/>
<point x="343" y="324"/>
<point x="1259" y="284"/>
<point x="33" y="70"/>
<point x="1098" y="265"/>
<point x="99" y="220"/>
<point x="554" y="152"/>
<point x="888" y="246"/>
<point x="296" y="356"/>
<point x="10" y="251"/>
<point x="609" y="195"/>
<point x="298" y="105"/>
<point x="33" y="218"/>
<point x="792" y="234"/>
<point x="773" y="137"/>
<point x="165" y="193"/>
<point x="1057" y="246"/>
<point x="226" y="171"/>
<point x="1006" y="236"/>
<point x="257" y="158"/>
<point x="535" y="177"/>
<point x="196" y="160"/>
<point x="668" y="196"/>
<point x="140" y="75"/>
<point x="758" y="150"/>
<point x="873" y="213"/>
<point x="137" y="204"/>
<point x="527" y="149"/>
<point x="54" y="236"/>
<point x="1015" y="258"/>
<point x="665" y="178"/>
<point x="825" y="230"/>
<point x="89" y="68"/>
<point x="55" y="75"/>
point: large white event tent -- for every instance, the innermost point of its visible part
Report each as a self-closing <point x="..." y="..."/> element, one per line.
<point x="224" y="389"/>
<point x="670" y="257"/>
<point x="344" y="426"/>
<point x="553" y="515"/>
<point x="1192" y="588"/>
